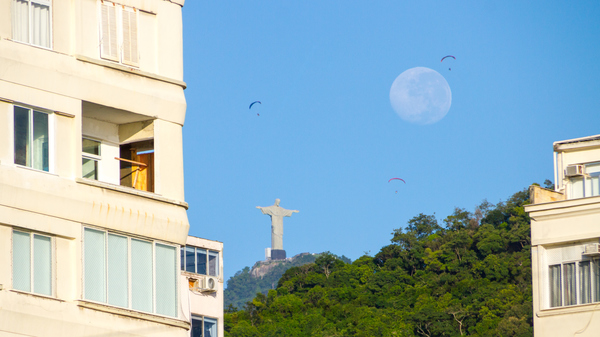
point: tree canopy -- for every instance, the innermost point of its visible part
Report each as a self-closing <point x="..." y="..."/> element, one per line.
<point x="469" y="275"/>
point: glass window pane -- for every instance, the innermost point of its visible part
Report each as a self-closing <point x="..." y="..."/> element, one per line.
<point x="40" y="30"/>
<point x="201" y="261"/>
<point x="94" y="265"/>
<point x="89" y="168"/>
<point x="595" y="182"/>
<point x="576" y="188"/>
<point x="596" y="281"/>
<point x="189" y="259"/>
<point x="166" y="280"/>
<point x="210" y="327"/>
<point x="196" y="326"/>
<point x="118" y="271"/>
<point x="182" y="258"/>
<point x="21" y="261"/>
<point x="90" y="146"/>
<point x="22" y="137"/>
<point x="141" y="275"/>
<point x="585" y="282"/>
<point x="40" y="141"/>
<point x="555" y="287"/>
<point x="569" y="284"/>
<point x="20" y="21"/>
<point x="213" y="263"/>
<point x="42" y="265"/>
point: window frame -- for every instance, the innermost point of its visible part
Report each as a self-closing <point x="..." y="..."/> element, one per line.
<point x="93" y="157"/>
<point x="583" y="186"/>
<point x="130" y="281"/>
<point x="183" y="260"/>
<point x="202" y="319"/>
<point x="594" y="282"/>
<point x="119" y="31"/>
<point x="30" y="22"/>
<point x="31" y="128"/>
<point x="52" y="267"/>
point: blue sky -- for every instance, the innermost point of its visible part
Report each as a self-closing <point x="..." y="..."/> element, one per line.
<point x="326" y="142"/>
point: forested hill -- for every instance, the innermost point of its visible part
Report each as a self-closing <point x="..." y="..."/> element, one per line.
<point x="468" y="275"/>
<point x="264" y="275"/>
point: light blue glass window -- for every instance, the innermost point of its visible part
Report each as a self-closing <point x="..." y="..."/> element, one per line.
<point x="166" y="280"/>
<point x="141" y="275"/>
<point x="94" y="265"/>
<point x="32" y="263"/>
<point x="42" y="265"/>
<point x="21" y="261"/>
<point x="118" y="271"/>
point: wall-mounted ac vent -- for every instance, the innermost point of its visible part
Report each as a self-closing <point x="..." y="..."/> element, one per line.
<point x="204" y="284"/>
<point x="574" y="170"/>
<point x="591" y="249"/>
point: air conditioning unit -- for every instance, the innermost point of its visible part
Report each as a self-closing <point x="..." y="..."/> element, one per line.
<point x="208" y="284"/>
<point x="574" y="170"/>
<point x="591" y="249"/>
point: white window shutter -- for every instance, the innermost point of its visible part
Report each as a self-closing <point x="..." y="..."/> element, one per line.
<point x="108" y="32"/>
<point x="130" y="37"/>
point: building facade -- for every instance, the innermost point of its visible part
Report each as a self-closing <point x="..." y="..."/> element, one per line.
<point x="202" y="272"/>
<point x="92" y="207"/>
<point x="565" y="234"/>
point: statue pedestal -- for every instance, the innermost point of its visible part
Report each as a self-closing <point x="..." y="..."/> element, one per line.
<point x="277" y="254"/>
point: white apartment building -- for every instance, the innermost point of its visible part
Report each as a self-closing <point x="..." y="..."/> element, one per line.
<point x="202" y="269"/>
<point x="565" y="237"/>
<point x="92" y="208"/>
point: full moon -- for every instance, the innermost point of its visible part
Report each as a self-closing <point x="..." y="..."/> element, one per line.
<point x="420" y="95"/>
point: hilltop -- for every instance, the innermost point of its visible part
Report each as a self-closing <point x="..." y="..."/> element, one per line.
<point x="264" y="275"/>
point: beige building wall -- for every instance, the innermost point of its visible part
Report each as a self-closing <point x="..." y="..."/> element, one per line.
<point x="85" y="95"/>
<point x="565" y="234"/>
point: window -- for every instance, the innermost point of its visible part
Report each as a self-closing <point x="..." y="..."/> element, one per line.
<point x="137" y="165"/>
<point x="118" y="33"/>
<point x="31" y="22"/>
<point x="32" y="263"/>
<point x="130" y="273"/>
<point x="200" y="261"/>
<point x="32" y="138"/>
<point x="91" y="156"/>
<point x="587" y="186"/>
<point x="573" y="281"/>
<point x="204" y="327"/>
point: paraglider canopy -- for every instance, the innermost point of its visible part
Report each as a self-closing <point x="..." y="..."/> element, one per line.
<point x="397" y="179"/>
<point x="251" y="104"/>
<point x="447" y="57"/>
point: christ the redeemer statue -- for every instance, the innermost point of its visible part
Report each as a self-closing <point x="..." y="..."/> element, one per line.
<point x="277" y="213"/>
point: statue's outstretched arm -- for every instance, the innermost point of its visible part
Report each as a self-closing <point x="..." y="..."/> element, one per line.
<point x="295" y="211"/>
<point x="258" y="207"/>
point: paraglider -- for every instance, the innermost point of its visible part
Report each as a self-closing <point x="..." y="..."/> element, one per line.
<point x="397" y="179"/>
<point x="251" y="104"/>
<point x="445" y="57"/>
